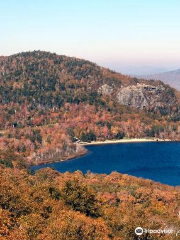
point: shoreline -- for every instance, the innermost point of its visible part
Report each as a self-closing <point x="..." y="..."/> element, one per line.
<point x="62" y="160"/>
<point x="106" y="142"/>
<point x="131" y="140"/>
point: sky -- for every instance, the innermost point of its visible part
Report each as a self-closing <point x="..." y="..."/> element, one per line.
<point x="130" y="36"/>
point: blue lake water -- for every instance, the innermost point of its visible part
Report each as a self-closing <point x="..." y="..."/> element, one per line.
<point x="158" y="161"/>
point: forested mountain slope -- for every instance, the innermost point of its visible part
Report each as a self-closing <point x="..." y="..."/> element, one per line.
<point x="48" y="101"/>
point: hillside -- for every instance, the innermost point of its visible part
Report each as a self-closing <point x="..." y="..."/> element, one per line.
<point x="72" y="206"/>
<point x="48" y="102"/>
<point x="172" y="78"/>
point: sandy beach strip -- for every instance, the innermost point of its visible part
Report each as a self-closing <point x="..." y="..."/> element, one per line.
<point x="132" y="140"/>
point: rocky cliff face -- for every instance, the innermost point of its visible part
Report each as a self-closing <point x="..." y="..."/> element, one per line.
<point x="150" y="97"/>
<point x="141" y="96"/>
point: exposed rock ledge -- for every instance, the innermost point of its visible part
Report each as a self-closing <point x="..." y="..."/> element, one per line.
<point x="105" y="89"/>
<point x="141" y="96"/>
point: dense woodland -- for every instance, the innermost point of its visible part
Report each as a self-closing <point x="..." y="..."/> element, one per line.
<point x="70" y="206"/>
<point x="48" y="102"/>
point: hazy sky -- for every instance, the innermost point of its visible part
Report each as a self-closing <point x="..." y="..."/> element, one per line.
<point x="114" y="33"/>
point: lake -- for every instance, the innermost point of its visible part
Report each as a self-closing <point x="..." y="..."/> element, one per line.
<point x="158" y="161"/>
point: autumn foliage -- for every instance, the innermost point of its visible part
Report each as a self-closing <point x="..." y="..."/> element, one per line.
<point x="50" y="103"/>
<point x="54" y="206"/>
